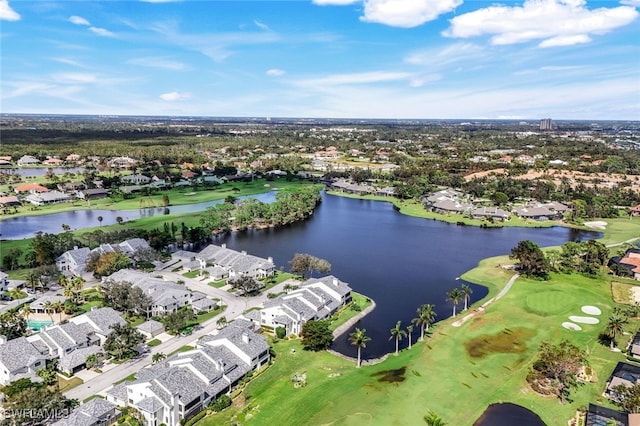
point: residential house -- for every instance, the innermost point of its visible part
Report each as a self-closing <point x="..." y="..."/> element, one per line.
<point x="96" y="412"/>
<point x="135" y="179"/>
<point x="316" y="299"/>
<point x="20" y="359"/>
<point x="9" y="201"/>
<point x="597" y="415"/>
<point x="92" y="194"/>
<point x="101" y="321"/>
<point x="30" y="188"/>
<point x="541" y="211"/>
<point x="635" y="211"/>
<point x="351" y="188"/>
<point x="52" y="162"/>
<point x="237" y="264"/>
<point x="494" y="213"/>
<point x="624" y="374"/>
<point x="73" y="262"/>
<point x="49" y="197"/>
<point x="181" y="386"/>
<point x="122" y="162"/>
<point x="634" y="346"/>
<point x="38" y="305"/>
<point x="28" y="160"/>
<point x="151" y="328"/>
<point x="629" y="262"/>
<point x="451" y="206"/>
<point x="166" y="297"/>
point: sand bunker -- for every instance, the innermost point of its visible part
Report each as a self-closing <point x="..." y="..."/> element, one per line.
<point x="596" y="224"/>
<point x="571" y="326"/>
<point x="584" y="320"/>
<point x="591" y="310"/>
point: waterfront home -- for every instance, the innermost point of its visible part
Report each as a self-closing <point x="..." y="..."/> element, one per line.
<point x="28" y="160"/>
<point x="541" y="211"/>
<point x="237" y="264"/>
<point x="9" y="201"/>
<point x="184" y="384"/>
<point x="349" y="187"/>
<point x="92" y="194"/>
<point x="316" y="299"/>
<point x="494" y="213"/>
<point x="97" y="412"/>
<point x="49" y="197"/>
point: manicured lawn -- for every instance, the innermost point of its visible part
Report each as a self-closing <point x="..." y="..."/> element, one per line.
<point x="154" y="342"/>
<point x="68" y="384"/>
<point x="482" y="362"/>
<point x="347" y="312"/>
<point x="218" y="284"/>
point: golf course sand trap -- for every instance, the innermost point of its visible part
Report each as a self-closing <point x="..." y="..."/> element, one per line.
<point x="591" y="310"/>
<point x="596" y="224"/>
<point x="584" y="320"/>
<point x="571" y="326"/>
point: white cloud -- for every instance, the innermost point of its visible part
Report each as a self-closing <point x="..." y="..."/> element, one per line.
<point x="275" y="72"/>
<point x="79" y="20"/>
<point x="68" y="61"/>
<point x="634" y="3"/>
<point x="406" y="13"/>
<point x="555" y="22"/>
<point x="7" y="13"/>
<point x="74" y="78"/>
<point x="159" y="62"/>
<point x="101" y="32"/>
<point x="261" y="25"/>
<point x="174" y="96"/>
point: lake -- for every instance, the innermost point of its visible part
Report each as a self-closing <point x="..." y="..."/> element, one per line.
<point x="399" y="261"/>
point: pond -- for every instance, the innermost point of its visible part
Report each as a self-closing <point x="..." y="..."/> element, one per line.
<point x="507" y="414"/>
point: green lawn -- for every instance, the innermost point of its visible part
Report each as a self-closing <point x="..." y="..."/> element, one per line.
<point x="482" y="362"/>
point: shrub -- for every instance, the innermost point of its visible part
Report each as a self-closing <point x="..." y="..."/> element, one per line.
<point x="281" y="332"/>
<point x="221" y="403"/>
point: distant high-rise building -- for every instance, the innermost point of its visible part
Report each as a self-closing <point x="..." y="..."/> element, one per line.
<point x="546" y="124"/>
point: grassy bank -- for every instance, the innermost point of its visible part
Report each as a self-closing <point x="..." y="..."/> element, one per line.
<point x="483" y="362"/>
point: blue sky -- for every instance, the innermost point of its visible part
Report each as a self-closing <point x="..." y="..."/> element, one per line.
<point x="565" y="59"/>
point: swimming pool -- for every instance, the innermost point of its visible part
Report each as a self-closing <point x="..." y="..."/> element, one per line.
<point x="37" y="325"/>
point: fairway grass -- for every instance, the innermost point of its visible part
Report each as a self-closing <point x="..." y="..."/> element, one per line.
<point x="457" y="373"/>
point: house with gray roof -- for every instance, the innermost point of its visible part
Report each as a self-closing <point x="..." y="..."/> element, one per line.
<point x="135" y="179"/>
<point x="541" y="211"/>
<point x="73" y="262"/>
<point x="316" y="299"/>
<point x="184" y="384"/>
<point x="77" y="359"/>
<point x="166" y="296"/>
<point x="493" y="212"/>
<point x="97" y="412"/>
<point x="101" y="320"/>
<point x="40" y="305"/>
<point x="20" y="359"/>
<point x="151" y="328"/>
<point x="237" y="263"/>
<point x="50" y="197"/>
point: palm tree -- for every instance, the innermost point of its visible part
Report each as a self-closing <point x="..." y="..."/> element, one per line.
<point x="454" y="295"/>
<point x="466" y="295"/>
<point x="33" y="280"/>
<point x="25" y="311"/>
<point x="432" y="419"/>
<point x="359" y="339"/>
<point x="157" y="357"/>
<point x="78" y="286"/>
<point x="615" y="327"/>
<point x="58" y="307"/>
<point x="409" y="331"/>
<point x="48" y="308"/>
<point x="397" y="333"/>
<point x="426" y="316"/>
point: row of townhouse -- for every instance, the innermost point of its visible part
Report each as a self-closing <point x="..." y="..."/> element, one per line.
<point x="315" y="299"/>
<point x="71" y="343"/>
<point x="222" y="262"/>
<point x="74" y="262"/>
<point x="452" y="201"/>
<point x="184" y="384"/>
<point x="166" y="296"/>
